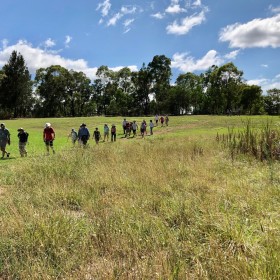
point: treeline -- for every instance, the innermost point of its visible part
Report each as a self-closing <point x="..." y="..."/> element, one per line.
<point x="58" y="92"/>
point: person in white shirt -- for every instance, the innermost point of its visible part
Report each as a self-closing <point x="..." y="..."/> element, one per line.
<point x="156" y="119"/>
<point x="73" y="135"/>
<point x="134" y="128"/>
<point x="124" y="126"/>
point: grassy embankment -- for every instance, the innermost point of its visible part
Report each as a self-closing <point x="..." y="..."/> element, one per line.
<point x="175" y="205"/>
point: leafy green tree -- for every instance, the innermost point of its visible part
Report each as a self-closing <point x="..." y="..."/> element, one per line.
<point x="16" y="87"/>
<point x="51" y="89"/>
<point x="124" y="80"/>
<point x="78" y="93"/>
<point x="223" y="88"/>
<point x="211" y="88"/>
<point x="142" y="84"/>
<point x="192" y="87"/>
<point x="252" y="100"/>
<point x="272" y="101"/>
<point x="231" y="80"/>
<point x="160" y="71"/>
<point x="104" y="88"/>
<point x="178" y="100"/>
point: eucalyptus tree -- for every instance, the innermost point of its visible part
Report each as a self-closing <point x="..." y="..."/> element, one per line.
<point x="104" y="87"/>
<point x="223" y="88"/>
<point x="142" y="83"/>
<point x="16" y="87"/>
<point x="231" y="84"/>
<point x="252" y="102"/>
<point x="78" y="94"/>
<point x="160" y="71"/>
<point x="272" y="101"/>
<point x="191" y="95"/>
<point x="124" y="80"/>
<point x="211" y="89"/>
<point x="51" y="89"/>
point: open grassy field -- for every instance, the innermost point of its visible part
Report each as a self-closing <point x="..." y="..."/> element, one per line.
<point x="175" y="205"/>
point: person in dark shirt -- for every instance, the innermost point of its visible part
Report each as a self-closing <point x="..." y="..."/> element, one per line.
<point x="96" y="135"/>
<point x="23" y="139"/>
<point x="83" y="134"/>
<point x="4" y="139"/>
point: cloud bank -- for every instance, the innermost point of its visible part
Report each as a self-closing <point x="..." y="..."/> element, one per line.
<point x="258" y="33"/>
<point x="36" y="57"/>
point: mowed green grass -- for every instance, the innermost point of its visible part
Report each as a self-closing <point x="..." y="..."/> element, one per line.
<point x="179" y="127"/>
<point x="174" y="205"/>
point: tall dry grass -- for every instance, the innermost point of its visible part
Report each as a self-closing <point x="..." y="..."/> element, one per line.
<point x="162" y="208"/>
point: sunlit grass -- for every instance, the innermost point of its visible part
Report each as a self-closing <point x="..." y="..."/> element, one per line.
<point x="170" y="206"/>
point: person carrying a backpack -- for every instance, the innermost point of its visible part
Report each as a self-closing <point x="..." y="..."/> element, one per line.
<point x="23" y="139"/>
<point x="83" y="134"/>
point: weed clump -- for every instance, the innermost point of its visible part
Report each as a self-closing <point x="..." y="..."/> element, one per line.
<point x="261" y="143"/>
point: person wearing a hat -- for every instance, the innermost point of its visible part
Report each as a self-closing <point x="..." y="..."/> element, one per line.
<point x="23" y="138"/>
<point x="4" y="139"/>
<point x="83" y="134"/>
<point x="48" y="137"/>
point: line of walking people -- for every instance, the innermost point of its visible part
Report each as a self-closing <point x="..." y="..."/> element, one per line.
<point x="82" y="136"/>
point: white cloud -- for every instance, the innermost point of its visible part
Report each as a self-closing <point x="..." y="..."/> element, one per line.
<point x="274" y="10"/>
<point x="158" y="15"/>
<point x="256" y="33"/>
<point x="264" y="65"/>
<point x="257" y="82"/>
<point x="197" y="3"/>
<point x="127" y="24"/>
<point x="125" y="10"/>
<point x="114" y="19"/>
<point x="49" y="43"/>
<point x="128" y="10"/>
<point x="266" y="84"/>
<point x="133" y="68"/>
<point x="5" y="43"/>
<point x="186" y="63"/>
<point x="174" y="9"/>
<point x="186" y="24"/>
<point x="36" y="58"/>
<point x="67" y="41"/>
<point x="232" y="55"/>
<point x="104" y="7"/>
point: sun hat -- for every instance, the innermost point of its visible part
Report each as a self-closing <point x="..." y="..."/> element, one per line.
<point x="47" y="124"/>
<point x="20" y="129"/>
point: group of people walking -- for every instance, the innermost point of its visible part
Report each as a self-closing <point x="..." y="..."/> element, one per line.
<point x="5" y="138"/>
<point x="82" y="136"/>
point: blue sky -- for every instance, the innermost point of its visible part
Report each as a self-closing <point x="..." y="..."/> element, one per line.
<point x="195" y="34"/>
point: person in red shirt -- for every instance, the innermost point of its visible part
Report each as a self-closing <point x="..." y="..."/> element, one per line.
<point x="48" y="137"/>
